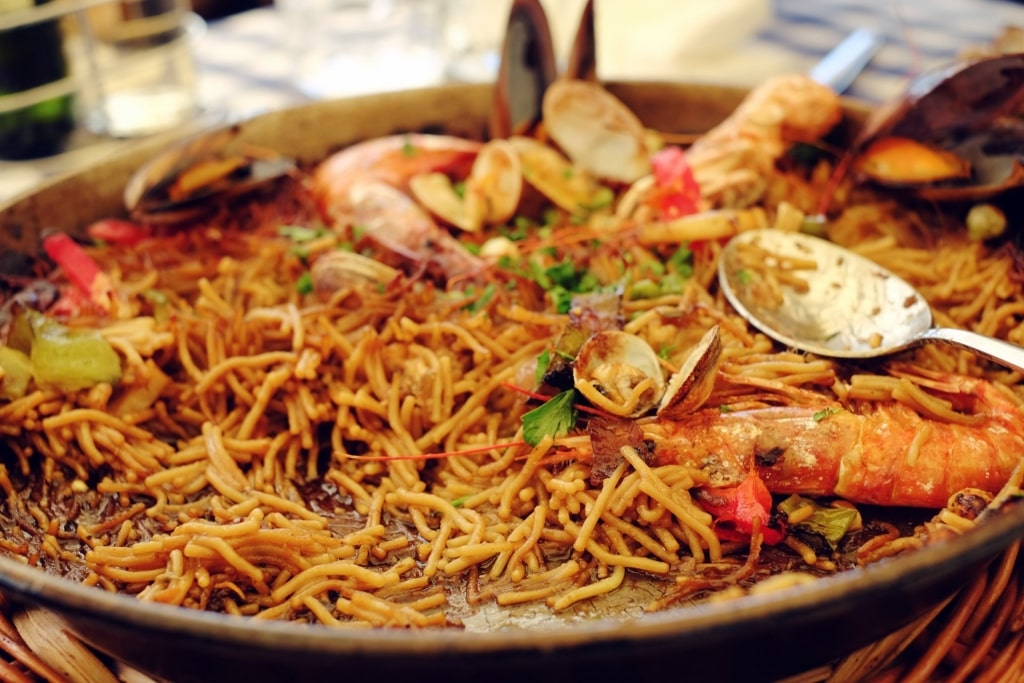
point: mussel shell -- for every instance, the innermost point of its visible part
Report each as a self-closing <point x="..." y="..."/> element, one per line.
<point x="950" y="101"/>
<point x="899" y="161"/>
<point x="582" y="62"/>
<point x="990" y="159"/>
<point x="150" y="194"/>
<point x="160" y="171"/>
<point x="964" y="109"/>
<point x="528" y="67"/>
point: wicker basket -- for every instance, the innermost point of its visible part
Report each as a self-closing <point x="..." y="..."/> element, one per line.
<point x="977" y="636"/>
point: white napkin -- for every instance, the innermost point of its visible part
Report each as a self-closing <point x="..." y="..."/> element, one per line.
<point x="686" y="40"/>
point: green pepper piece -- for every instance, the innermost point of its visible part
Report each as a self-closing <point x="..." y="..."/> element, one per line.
<point x="17" y="372"/>
<point x="70" y="360"/>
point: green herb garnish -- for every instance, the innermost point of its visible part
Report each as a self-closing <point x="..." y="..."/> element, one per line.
<point x="304" y="285"/>
<point x="554" y="418"/>
<point x="601" y="199"/>
<point x="300" y="233"/>
<point x="682" y="261"/>
<point x="822" y="414"/>
<point x="543" y="363"/>
<point x="485" y="297"/>
<point x="829" y="523"/>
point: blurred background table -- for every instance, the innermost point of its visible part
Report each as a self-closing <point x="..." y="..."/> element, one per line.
<point x="245" y="64"/>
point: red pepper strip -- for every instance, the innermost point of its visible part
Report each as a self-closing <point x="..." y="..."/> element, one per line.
<point x="677" y="193"/>
<point x="736" y="507"/>
<point x="115" y="231"/>
<point x="80" y="268"/>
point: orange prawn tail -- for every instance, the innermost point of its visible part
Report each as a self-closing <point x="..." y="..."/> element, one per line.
<point x="892" y="455"/>
<point x="906" y="458"/>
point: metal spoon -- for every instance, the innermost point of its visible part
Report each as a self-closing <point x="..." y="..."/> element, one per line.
<point x="841" y="66"/>
<point x="850" y="308"/>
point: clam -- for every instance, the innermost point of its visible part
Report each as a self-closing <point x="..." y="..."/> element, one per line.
<point x="596" y="130"/>
<point x="690" y="386"/>
<point x="334" y="271"/>
<point x="567" y="185"/>
<point x="490" y="195"/>
<point x="619" y="373"/>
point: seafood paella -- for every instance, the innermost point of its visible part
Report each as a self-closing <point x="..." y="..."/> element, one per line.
<point x="430" y="375"/>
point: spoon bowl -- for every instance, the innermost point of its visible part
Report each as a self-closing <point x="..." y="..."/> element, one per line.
<point x="814" y="295"/>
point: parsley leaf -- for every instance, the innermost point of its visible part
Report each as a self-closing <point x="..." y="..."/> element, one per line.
<point x="682" y="261"/>
<point x="543" y="363"/>
<point x="481" y="301"/>
<point x="554" y="418"/>
<point x="822" y="414"/>
<point x="305" y="283"/>
<point x="300" y="233"/>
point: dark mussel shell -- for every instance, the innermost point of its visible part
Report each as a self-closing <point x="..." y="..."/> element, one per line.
<point x="179" y="183"/>
<point x="527" y="68"/>
<point x="582" y="62"/>
<point x="966" y="109"/>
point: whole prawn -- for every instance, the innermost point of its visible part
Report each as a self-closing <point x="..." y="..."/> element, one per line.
<point x="888" y="454"/>
<point x="732" y="161"/>
<point x="366" y="185"/>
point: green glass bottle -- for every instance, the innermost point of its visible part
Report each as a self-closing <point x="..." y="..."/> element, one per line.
<point x="32" y="55"/>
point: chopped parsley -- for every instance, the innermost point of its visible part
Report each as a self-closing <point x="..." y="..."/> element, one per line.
<point x="300" y="233"/>
<point x="519" y="230"/>
<point x="682" y="261"/>
<point x="304" y="285"/>
<point x="562" y="280"/>
<point x="602" y="199"/>
<point x="543" y="363"/>
<point x="482" y="300"/>
<point x="822" y="414"/>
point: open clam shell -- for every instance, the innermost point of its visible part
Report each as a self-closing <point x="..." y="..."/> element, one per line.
<point x="334" y="271"/>
<point x="490" y="194"/>
<point x="569" y="186"/>
<point x="596" y="130"/>
<point x="690" y="386"/>
<point x="619" y="373"/>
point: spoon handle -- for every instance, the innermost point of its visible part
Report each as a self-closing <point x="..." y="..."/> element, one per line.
<point x="985" y="346"/>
